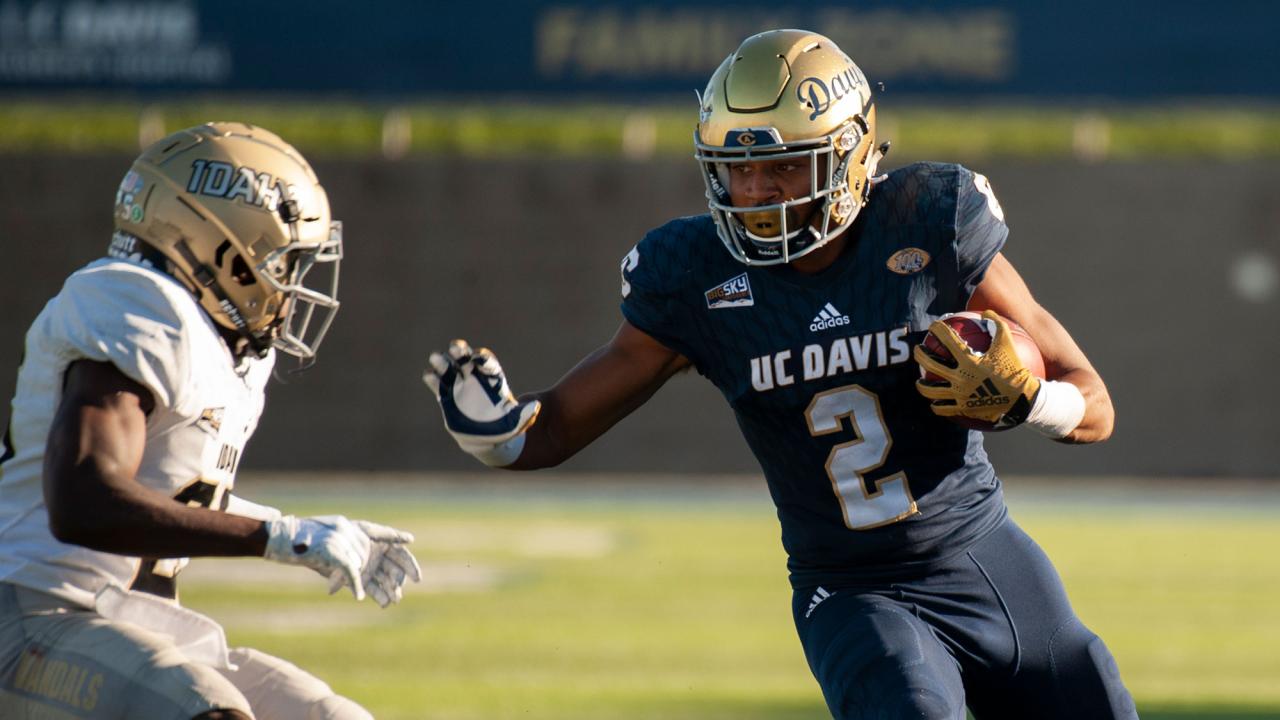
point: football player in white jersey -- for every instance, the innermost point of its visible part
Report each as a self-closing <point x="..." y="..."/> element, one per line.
<point x="141" y="382"/>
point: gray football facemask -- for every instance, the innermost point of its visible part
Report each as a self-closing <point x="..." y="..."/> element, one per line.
<point x="310" y="289"/>
<point x="779" y="233"/>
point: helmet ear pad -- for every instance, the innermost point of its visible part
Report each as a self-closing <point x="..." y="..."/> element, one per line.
<point x="240" y="271"/>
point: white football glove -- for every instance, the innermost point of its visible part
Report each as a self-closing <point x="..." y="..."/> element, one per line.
<point x="479" y="409"/>
<point x="339" y="549"/>
<point x="389" y="566"/>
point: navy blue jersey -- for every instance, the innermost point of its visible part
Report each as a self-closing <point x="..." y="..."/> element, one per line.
<point x="868" y="482"/>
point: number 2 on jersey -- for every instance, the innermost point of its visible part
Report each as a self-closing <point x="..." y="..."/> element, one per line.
<point x="849" y="462"/>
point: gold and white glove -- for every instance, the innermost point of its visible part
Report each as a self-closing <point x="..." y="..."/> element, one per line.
<point x="994" y="386"/>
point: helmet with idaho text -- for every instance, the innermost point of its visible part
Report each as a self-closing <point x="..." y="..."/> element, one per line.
<point x="237" y="215"/>
<point x="787" y="94"/>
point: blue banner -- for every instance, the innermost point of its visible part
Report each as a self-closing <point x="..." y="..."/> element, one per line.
<point x="1092" y="49"/>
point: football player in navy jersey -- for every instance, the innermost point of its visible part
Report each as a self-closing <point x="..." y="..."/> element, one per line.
<point x="801" y="295"/>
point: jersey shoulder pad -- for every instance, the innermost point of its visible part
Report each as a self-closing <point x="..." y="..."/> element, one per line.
<point x="658" y="275"/>
<point x="941" y="195"/>
<point x="976" y="201"/>
<point x="685" y="239"/>
<point x="135" y="318"/>
<point x="664" y="259"/>
<point x="922" y="193"/>
<point x="958" y="208"/>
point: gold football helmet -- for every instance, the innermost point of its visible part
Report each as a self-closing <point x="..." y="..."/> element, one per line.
<point x="787" y="94"/>
<point x="237" y="215"/>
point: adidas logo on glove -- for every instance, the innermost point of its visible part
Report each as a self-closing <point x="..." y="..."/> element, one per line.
<point x="986" y="395"/>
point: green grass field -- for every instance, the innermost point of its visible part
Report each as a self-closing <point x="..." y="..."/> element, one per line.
<point x="555" y="598"/>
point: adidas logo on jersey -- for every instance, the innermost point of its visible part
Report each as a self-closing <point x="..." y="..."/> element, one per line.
<point x="828" y="317"/>
<point x="986" y="395"/>
<point x="817" y="599"/>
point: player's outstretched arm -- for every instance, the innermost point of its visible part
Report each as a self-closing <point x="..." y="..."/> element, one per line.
<point x="544" y="429"/>
<point x="1004" y="291"/>
<point x="602" y="389"/>
<point x="95" y="446"/>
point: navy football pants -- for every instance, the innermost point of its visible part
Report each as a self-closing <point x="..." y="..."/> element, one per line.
<point x="992" y="628"/>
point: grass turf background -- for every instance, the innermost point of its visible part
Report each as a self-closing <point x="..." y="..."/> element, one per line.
<point x="585" y="597"/>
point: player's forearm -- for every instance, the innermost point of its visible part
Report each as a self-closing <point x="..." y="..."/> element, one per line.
<point x="578" y="410"/>
<point x="552" y="439"/>
<point x="1099" y="415"/>
<point x="540" y="450"/>
<point x="93" y="509"/>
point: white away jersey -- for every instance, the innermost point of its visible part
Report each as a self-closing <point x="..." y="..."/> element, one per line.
<point x="206" y="407"/>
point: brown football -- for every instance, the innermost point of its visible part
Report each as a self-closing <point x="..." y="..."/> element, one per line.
<point x="977" y="332"/>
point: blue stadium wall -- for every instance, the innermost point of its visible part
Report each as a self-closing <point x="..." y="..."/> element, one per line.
<point x="946" y="48"/>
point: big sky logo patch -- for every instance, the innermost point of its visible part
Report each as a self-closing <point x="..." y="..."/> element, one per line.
<point x="732" y="293"/>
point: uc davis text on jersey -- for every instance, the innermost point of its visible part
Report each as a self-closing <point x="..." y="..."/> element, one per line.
<point x="844" y="355"/>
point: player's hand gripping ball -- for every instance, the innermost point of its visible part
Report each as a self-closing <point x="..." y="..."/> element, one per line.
<point x="980" y="371"/>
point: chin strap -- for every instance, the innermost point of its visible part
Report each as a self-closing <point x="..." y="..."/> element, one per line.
<point x="205" y="278"/>
<point x="129" y="247"/>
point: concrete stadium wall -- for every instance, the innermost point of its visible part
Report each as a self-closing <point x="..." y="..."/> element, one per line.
<point x="1164" y="272"/>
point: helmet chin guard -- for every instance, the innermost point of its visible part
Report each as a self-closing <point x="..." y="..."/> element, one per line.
<point x="787" y="94"/>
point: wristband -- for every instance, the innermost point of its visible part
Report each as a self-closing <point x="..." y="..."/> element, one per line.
<point x="501" y="455"/>
<point x="1057" y="410"/>
<point x="237" y="505"/>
